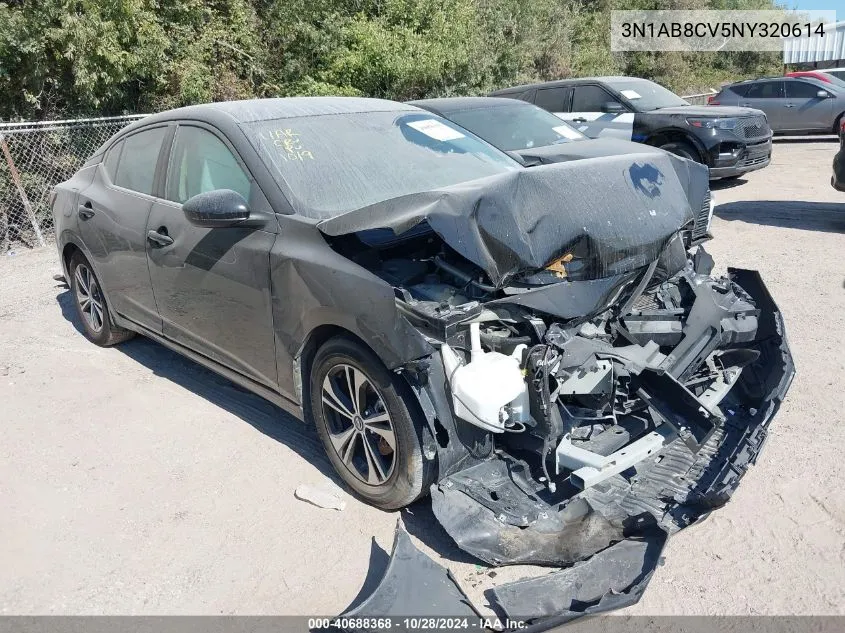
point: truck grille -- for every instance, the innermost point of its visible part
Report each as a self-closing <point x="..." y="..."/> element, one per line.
<point x="752" y="127"/>
<point x="699" y="230"/>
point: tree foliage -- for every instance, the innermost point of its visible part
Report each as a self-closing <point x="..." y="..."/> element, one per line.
<point x="91" y="57"/>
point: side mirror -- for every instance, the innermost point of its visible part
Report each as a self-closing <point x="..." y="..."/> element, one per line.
<point x="613" y="107"/>
<point x="216" y="209"/>
<point x="822" y="94"/>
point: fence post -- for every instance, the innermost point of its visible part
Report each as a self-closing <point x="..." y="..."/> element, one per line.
<point x="17" y="178"/>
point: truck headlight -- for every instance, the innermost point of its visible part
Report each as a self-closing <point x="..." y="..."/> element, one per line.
<point x="721" y="124"/>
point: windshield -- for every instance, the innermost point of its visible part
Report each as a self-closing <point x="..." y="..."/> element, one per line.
<point x="516" y="127"/>
<point x="646" y="95"/>
<point x="335" y="163"/>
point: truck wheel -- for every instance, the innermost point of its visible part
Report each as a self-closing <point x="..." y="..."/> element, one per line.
<point x="682" y="149"/>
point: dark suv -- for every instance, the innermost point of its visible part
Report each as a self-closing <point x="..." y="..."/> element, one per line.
<point x="730" y="141"/>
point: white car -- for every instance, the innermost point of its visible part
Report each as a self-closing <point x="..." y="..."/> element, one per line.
<point x="839" y="73"/>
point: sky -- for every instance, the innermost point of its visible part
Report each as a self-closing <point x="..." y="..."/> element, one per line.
<point x="820" y="5"/>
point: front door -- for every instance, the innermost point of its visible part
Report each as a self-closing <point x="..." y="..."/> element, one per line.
<point x="804" y="109"/>
<point x="212" y="286"/>
<point x="113" y="213"/>
<point x="589" y="113"/>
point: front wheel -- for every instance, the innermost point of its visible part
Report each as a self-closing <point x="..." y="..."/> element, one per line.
<point x="366" y="426"/>
<point x="91" y="305"/>
<point x="682" y="149"/>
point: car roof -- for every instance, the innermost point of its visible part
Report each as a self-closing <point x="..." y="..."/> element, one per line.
<point x="807" y="78"/>
<point x="610" y="79"/>
<point x="251" y="110"/>
<point x="446" y="105"/>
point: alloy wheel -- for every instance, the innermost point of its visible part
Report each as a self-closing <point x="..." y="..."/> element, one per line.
<point x="89" y="298"/>
<point x="359" y="426"/>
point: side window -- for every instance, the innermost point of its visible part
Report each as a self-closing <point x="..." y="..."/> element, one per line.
<point x="137" y="163"/>
<point x="740" y="89"/>
<point x="765" y="90"/>
<point x="590" y="99"/>
<point x="801" y="90"/>
<point x="552" y="99"/>
<point x="112" y="157"/>
<point x="201" y="162"/>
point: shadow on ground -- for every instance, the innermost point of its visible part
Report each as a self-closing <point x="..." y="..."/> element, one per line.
<point x="811" y="138"/>
<point x="810" y="216"/>
<point x="726" y="183"/>
<point x="252" y="409"/>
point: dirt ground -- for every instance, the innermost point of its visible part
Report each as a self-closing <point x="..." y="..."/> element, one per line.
<point x="133" y="481"/>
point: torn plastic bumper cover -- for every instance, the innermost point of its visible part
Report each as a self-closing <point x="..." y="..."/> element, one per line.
<point x="608" y="535"/>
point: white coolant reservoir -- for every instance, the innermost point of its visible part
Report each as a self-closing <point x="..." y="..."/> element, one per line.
<point x="483" y="387"/>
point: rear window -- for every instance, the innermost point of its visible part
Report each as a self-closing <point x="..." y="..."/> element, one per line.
<point x="111" y="160"/>
<point x="339" y="162"/>
<point x="739" y="89"/>
<point x="137" y="164"/>
<point x="765" y="90"/>
<point x="553" y="99"/>
<point x="516" y="127"/>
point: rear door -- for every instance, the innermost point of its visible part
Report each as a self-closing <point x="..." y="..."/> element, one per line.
<point x="212" y="285"/>
<point x="769" y="97"/>
<point x="804" y="110"/>
<point x="555" y="99"/>
<point x="113" y="213"/>
<point x="588" y="113"/>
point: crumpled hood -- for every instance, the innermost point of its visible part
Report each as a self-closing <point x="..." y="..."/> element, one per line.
<point x="616" y="213"/>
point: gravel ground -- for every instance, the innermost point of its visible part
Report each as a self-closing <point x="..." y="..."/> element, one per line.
<point x="133" y="481"/>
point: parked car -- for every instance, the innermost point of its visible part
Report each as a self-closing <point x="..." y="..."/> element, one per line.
<point x="839" y="73"/>
<point x="534" y="136"/>
<point x="795" y="105"/>
<point x="730" y="141"/>
<point x="838" y="178"/>
<point x="819" y="75"/>
<point x="517" y="342"/>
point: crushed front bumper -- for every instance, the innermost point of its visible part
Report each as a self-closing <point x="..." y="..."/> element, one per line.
<point x="607" y="538"/>
<point x="749" y="158"/>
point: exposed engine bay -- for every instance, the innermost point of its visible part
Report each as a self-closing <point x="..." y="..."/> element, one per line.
<point x="586" y="389"/>
<point x="584" y="399"/>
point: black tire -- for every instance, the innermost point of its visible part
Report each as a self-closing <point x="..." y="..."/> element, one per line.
<point x="837" y="124"/>
<point x="401" y="474"/>
<point x="682" y="149"/>
<point x="94" y="315"/>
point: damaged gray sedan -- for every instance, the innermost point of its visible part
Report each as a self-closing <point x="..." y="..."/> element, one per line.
<point x="544" y="350"/>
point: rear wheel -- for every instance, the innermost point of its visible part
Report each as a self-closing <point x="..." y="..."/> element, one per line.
<point x="366" y="426"/>
<point x="91" y="305"/>
<point x="682" y="149"/>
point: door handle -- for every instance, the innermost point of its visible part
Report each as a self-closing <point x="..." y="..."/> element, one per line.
<point x="579" y="119"/>
<point x="744" y="105"/>
<point x="159" y="240"/>
<point x="85" y="211"/>
<point x="788" y="105"/>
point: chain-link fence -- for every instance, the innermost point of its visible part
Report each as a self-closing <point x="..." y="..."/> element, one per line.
<point x="34" y="157"/>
